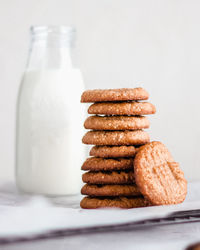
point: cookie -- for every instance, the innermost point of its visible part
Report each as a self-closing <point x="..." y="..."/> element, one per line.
<point x="110" y="190"/>
<point x="135" y="137"/>
<point x="122" y="108"/>
<point x="118" y="202"/>
<point x="116" y="122"/>
<point x="112" y="177"/>
<point x="101" y="164"/>
<point x="109" y="95"/>
<point x="158" y="177"/>
<point x="113" y="151"/>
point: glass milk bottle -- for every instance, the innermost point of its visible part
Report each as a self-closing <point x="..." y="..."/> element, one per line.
<point x="50" y="117"/>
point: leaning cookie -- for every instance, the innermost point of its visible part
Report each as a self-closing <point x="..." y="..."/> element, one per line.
<point x="109" y="95"/>
<point x="135" y="137"/>
<point x="110" y="190"/>
<point x="103" y="164"/>
<point x="113" y="151"/>
<point x="116" y="122"/>
<point x="122" y="108"/>
<point x="117" y="202"/>
<point x="158" y="177"/>
<point x="112" y="177"/>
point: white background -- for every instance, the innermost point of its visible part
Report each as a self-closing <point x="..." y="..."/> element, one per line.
<point x="122" y="43"/>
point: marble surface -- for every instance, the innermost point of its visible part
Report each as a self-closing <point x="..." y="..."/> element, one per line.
<point x="177" y="236"/>
<point x="161" y="237"/>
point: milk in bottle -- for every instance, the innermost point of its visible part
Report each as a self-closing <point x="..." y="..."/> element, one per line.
<point x="49" y="151"/>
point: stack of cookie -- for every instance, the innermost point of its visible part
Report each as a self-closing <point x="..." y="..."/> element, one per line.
<point x="116" y="131"/>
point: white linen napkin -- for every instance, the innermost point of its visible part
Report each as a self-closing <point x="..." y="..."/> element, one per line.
<point x="24" y="215"/>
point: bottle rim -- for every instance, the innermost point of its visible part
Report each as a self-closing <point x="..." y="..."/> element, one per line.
<point x="53" y="36"/>
<point x="52" y="29"/>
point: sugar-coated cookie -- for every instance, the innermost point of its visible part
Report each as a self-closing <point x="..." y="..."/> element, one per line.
<point x="109" y="95"/>
<point x="116" y="122"/>
<point x="122" y="108"/>
<point x="118" y="202"/>
<point x="109" y="177"/>
<point x="110" y="190"/>
<point x="103" y="164"/>
<point x="113" y="151"/>
<point x="114" y="138"/>
<point x="158" y="176"/>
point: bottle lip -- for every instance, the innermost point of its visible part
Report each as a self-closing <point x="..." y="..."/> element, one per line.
<point x="53" y="36"/>
<point x="52" y="29"/>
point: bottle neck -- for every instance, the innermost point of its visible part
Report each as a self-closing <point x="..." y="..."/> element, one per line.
<point x="50" y="48"/>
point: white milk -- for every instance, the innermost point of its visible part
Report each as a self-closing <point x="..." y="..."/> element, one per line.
<point x="49" y="132"/>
